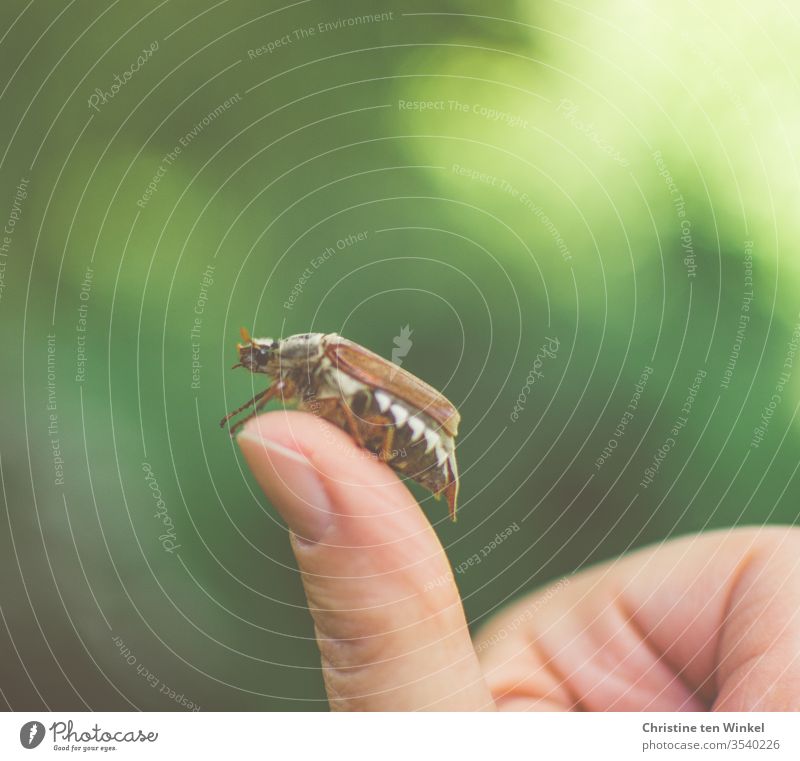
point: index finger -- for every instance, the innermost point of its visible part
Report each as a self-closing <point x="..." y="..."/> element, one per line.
<point x="707" y="621"/>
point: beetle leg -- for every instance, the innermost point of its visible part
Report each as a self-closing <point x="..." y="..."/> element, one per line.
<point x="333" y="410"/>
<point x="386" y="447"/>
<point x="258" y="402"/>
<point x="352" y="424"/>
<point x="385" y="453"/>
<point x="243" y="407"/>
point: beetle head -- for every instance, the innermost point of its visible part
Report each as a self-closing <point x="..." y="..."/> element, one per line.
<point x="258" y="355"/>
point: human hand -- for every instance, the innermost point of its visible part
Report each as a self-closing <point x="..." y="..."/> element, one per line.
<point x="705" y="622"/>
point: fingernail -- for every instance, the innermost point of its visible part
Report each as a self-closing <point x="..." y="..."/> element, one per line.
<point x="291" y="483"/>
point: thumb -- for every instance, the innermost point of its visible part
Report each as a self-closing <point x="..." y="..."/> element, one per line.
<point x="388" y="619"/>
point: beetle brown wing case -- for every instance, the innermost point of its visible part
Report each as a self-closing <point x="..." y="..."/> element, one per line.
<point x="374" y="370"/>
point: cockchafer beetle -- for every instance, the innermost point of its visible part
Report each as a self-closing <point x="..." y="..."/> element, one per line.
<point x="387" y="410"/>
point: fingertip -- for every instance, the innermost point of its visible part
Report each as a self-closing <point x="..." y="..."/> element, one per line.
<point x="356" y="483"/>
<point x="289" y="480"/>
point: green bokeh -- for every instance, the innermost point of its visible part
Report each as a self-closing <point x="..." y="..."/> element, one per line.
<point x="528" y="204"/>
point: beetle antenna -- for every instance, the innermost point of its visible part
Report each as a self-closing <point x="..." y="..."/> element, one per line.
<point x="245" y="335"/>
<point x="238" y="364"/>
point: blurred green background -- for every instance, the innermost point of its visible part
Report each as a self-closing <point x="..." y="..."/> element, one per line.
<point x="616" y="177"/>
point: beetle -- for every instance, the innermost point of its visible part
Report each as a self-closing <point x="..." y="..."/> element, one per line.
<point x="401" y="419"/>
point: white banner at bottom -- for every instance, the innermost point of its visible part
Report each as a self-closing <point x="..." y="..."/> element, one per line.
<point x="387" y="736"/>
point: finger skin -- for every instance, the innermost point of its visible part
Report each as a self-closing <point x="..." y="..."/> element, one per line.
<point x="705" y="622"/>
<point x="388" y="618"/>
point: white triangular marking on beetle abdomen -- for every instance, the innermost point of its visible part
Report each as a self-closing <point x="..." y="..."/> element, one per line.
<point x="432" y="438"/>
<point x="417" y="428"/>
<point x="400" y="414"/>
<point x="383" y="401"/>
